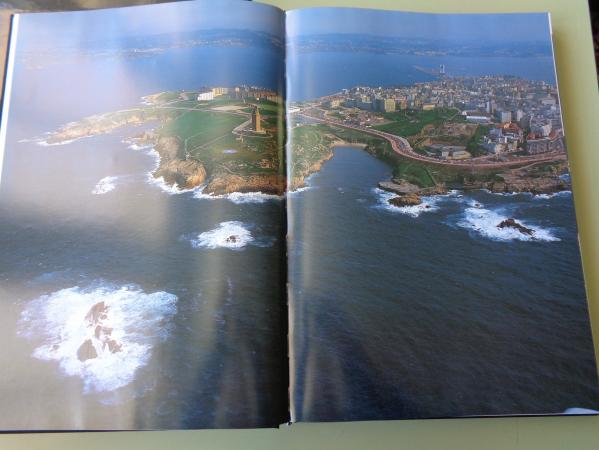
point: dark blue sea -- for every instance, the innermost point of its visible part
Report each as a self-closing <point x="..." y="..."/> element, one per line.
<point x="202" y="324"/>
<point x="431" y="310"/>
<point x="404" y="313"/>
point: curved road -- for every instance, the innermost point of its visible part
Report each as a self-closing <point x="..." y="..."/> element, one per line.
<point x="403" y="148"/>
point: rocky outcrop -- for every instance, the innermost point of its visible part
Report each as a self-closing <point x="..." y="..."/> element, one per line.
<point x="97" y="313"/>
<point x="174" y="168"/>
<point x="100" y="124"/>
<point x="222" y="184"/>
<point x="511" y="223"/>
<point x="186" y="174"/>
<point x="401" y="187"/>
<point x="409" y="194"/>
<point x="87" y="351"/>
<point x="536" y="186"/>
<point x="406" y="200"/>
<point x="537" y="178"/>
<point x="298" y="177"/>
<point x="100" y="338"/>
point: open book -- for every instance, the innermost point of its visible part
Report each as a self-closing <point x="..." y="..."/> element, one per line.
<point x="219" y="214"/>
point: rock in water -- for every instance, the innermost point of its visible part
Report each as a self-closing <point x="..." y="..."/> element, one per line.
<point x="113" y="346"/>
<point x="87" y="351"/>
<point x="406" y="200"/>
<point x="511" y="223"/>
<point x="101" y="334"/>
<point x="96" y="313"/>
<point x="232" y="238"/>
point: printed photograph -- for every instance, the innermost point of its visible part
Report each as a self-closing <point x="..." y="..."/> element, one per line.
<point x="142" y="272"/>
<point x="434" y="266"/>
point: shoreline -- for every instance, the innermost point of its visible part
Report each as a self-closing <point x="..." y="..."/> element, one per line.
<point x="174" y="168"/>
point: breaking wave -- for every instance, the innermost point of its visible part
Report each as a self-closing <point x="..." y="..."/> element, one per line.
<point x="232" y="235"/>
<point x="428" y="204"/>
<point x="136" y="146"/>
<point x="485" y="222"/>
<point x="105" y="185"/>
<point x="555" y="194"/>
<point x="299" y="190"/>
<point x="238" y="197"/>
<point x="171" y="189"/>
<point x="102" y="334"/>
<point x="43" y="141"/>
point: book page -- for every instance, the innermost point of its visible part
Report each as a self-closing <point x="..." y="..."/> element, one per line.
<point x="142" y="273"/>
<point x="434" y="268"/>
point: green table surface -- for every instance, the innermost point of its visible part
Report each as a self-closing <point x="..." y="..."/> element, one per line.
<point x="580" y="102"/>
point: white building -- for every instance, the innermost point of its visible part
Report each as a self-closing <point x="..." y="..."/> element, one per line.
<point x="205" y="95"/>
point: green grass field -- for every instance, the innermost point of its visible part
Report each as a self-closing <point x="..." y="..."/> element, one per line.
<point x="207" y="136"/>
<point x="411" y="122"/>
<point x="200" y="127"/>
<point x="415" y="173"/>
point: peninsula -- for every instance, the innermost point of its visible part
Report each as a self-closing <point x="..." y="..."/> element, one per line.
<point x="222" y="139"/>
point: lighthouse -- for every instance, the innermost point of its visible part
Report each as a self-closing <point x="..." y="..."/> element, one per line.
<point x="256" y="125"/>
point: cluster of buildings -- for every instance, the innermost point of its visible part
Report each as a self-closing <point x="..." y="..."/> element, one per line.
<point x="238" y="93"/>
<point x="520" y="114"/>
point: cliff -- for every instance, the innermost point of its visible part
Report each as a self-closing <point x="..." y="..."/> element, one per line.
<point x="174" y="168"/>
<point x="221" y="184"/>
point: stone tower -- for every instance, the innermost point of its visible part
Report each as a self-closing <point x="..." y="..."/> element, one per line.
<point x="256" y="120"/>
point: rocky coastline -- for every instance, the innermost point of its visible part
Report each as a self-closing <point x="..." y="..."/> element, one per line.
<point x="100" y="124"/>
<point x="175" y="168"/>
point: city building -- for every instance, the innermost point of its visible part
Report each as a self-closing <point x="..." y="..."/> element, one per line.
<point x="205" y="95"/>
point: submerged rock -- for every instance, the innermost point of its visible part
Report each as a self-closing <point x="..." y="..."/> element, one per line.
<point x="511" y="223"/>
<point x="406" y="200"/>
<point x="232" y="239"/>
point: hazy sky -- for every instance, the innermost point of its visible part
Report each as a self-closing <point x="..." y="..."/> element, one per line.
<point x="476" y="27"/>
<point x="69" y="27"/>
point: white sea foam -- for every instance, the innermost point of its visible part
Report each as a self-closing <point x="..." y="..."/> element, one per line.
<point x="484" y="222"/>
<point x="238" y="197"/>
<point x="505" y="194"/>
<point x="428" y="204"/>
<point x="136" y="146"/>
<point x="171" y="189"/>
<point x="105" y="185"/>
<point x="45" y="143"/>
<point x="174" y="189"/>
<point x="299" y="190"/>
<point x="555" y="194"/>
<point x="230" y="151"/>
<point x="130" y="319"/>
<point x="233" y="235"/>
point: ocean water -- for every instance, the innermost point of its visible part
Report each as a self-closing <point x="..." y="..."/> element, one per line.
<point x="431" y="310"/>
<point x="199" y="321"/>
<point x="325" y="73"/>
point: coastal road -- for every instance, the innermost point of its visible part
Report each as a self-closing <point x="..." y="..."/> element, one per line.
<point x="402" y="147"/>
